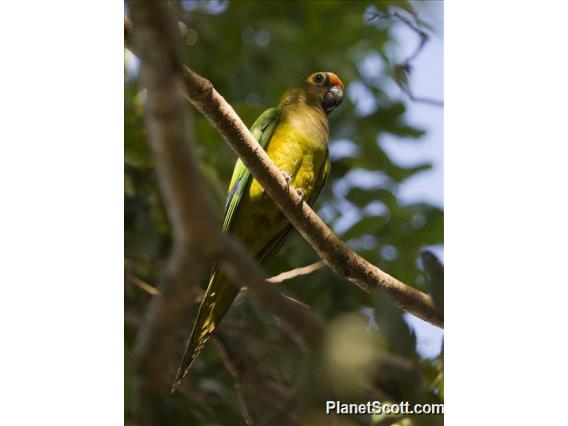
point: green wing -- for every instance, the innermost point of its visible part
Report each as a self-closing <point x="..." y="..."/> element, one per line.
<point x="262" y="130"/>
<point x="322" y="178"/>
<point x="220" y="292"/>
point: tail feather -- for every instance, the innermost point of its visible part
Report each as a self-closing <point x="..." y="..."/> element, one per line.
<point x="219" y="296"/>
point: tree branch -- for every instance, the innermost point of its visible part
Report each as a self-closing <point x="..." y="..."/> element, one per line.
<point x="402" y="70"/>
<point x="294" y="273"/>
<point x="334" y="252"/>
<point x="236" y="378"/>
<point x="151" y="290"/>
<point x="176" y="169"/>
<point x="303" y="325"/>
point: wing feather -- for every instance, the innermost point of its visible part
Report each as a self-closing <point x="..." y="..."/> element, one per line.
<point x="262" y="130"/>
<point x="220" y="292"/>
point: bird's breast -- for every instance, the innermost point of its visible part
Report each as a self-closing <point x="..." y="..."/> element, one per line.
<point x="298" y="146"/>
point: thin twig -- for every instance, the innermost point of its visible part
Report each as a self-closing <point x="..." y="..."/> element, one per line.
<point x="423" y="35"/>
<point x="276" y="279"/>
<point x="236" y="378"/>
<point x="420" y="99"/>
<point x="406" y="65"/>
<point x="304" y="326"/>
<point x="153" y="291"/>
<point x="294" y="273"/>
<point x="301" y="324"/>
<point x="245" y="291"/>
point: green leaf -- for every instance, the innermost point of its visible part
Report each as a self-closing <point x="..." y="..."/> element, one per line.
<point x="398" y="335"/>
<point x="370" y="225"/>
<point x="362" y="197"/>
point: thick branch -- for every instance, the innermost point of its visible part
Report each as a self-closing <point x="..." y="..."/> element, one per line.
<point x="176" y="170"/>
<point x="335" y="253"/>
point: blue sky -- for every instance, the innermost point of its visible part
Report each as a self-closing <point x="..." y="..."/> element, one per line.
<point x="427" y="81"/>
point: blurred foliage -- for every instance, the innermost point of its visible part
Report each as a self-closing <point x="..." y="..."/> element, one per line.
<point x="252" y="51"/>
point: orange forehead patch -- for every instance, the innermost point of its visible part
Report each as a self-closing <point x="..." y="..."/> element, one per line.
<point x="334" y="80"/>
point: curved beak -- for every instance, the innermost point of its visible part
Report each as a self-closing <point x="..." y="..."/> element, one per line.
<point x="332" y="98"/>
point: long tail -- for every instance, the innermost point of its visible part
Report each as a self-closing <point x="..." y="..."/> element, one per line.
<point x="218" y="298"/>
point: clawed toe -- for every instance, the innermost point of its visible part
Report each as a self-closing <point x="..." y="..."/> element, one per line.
<point x="300" y="194"/>
<point x="287" y="176"/>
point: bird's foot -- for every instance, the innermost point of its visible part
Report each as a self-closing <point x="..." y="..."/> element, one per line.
<point x="287" y="176"/>
<point x="300" y="193"/>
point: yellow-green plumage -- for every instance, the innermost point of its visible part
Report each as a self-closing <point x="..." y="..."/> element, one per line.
<point x="295" y="136"/>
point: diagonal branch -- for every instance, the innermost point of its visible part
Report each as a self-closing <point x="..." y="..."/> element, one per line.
<point x="422" y="35"/>
<point x="334" y="252"/>
<point x="297" y="272"/>
<point x="151" y="290"/>
<point x="222" y="350"/>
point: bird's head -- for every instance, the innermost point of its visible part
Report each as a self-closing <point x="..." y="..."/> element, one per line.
<point x="323" y="89"/>
<point x="328" y="88"/>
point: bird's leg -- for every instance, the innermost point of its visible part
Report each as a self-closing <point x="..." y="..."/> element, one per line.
<point x="287" y="176"/>
<point x="300" y="193"/>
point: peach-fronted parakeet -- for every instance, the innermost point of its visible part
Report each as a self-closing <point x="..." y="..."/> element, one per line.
<point x="295" y="137"/>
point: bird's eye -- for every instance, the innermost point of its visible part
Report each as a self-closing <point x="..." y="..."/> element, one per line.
<point x="318" y="78"/>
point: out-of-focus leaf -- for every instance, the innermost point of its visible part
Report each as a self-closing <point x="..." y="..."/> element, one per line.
<point x="398" y="335"/>
<point x="361" y="197"/>
<point x="390" y="119"/>
<point x="214" y="183"/>
<point x="129" y="189"/>
<point x="434" y="270"/>
<point x="370" y="225"/>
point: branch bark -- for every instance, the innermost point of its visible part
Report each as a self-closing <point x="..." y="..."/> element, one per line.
<point x="167" y="128"/>
<point x="334" y="252"/>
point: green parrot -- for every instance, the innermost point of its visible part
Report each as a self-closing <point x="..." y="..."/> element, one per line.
<point x="295" y="137"/>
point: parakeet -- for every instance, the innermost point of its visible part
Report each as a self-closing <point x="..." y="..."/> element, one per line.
<point x="295" y="137"/>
